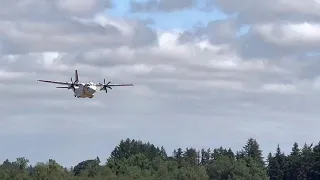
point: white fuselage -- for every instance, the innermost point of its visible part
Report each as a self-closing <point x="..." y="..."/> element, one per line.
<point x="85" y="90"/>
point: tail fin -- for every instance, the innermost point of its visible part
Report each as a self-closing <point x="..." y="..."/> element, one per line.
<point x="76" y="76"/>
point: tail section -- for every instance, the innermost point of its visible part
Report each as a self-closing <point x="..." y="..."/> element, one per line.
<point x="76" y="76"/>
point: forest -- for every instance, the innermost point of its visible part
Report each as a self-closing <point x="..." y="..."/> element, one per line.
<point x="133" y="159"/>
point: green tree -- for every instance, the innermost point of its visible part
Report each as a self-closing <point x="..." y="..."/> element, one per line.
<point x="89" y="167"/>
<point x="306" y="162"/>
<point x="205" y="156"/>
<point x="277" y="166"/>
<point x="252" y="150"/>
<point x="315" y="170"/>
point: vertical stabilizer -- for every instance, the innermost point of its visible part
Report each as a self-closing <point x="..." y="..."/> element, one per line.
<point x="76" y="76"/>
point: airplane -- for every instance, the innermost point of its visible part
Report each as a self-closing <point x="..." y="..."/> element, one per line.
<point x="85" y="90"/>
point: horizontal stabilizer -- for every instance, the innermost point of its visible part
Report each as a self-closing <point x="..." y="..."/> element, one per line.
<point x="62" y="87"/>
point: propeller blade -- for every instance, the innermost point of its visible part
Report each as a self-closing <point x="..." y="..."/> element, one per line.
<point x="105" y="85"/>
<point x="63" y="87"/>
<point x="71" y="86"/>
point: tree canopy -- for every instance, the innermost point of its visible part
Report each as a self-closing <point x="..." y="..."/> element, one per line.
<point x="132" y="159"/>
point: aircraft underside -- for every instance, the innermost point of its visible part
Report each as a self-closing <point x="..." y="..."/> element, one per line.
<point x="84" y="96"/>
<point x="81" y="92"/>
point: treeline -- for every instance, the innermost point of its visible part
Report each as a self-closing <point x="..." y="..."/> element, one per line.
<point x="133" y="159"/>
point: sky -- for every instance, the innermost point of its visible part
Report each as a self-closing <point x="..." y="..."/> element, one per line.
<point x="206" y="73"/>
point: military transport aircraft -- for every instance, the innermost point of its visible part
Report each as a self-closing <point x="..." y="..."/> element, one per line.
<point x="85" y="90"/>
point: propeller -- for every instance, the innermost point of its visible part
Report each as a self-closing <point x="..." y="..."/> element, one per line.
<point x="105" y="86"/>
<point x="71" y="85"/>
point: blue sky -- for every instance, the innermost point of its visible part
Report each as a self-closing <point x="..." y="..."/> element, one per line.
<point x="169" y="20"/>
<point x="185" y="19"/>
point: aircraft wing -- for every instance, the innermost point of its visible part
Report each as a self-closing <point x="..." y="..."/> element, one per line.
<point x="120" y="85"/>
<point x="111" y="85"/>
<point x="56" y="82"/>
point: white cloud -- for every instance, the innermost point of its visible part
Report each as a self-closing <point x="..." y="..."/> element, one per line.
<point x="257" y="11"/>
<point x="300" y="34"/>
<point x="10" y="75"/>
<point x="120" y="24"/>
<point x="282" y="88"/>
<point x="161" y="6"/>
<point x="77" y="6"/>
